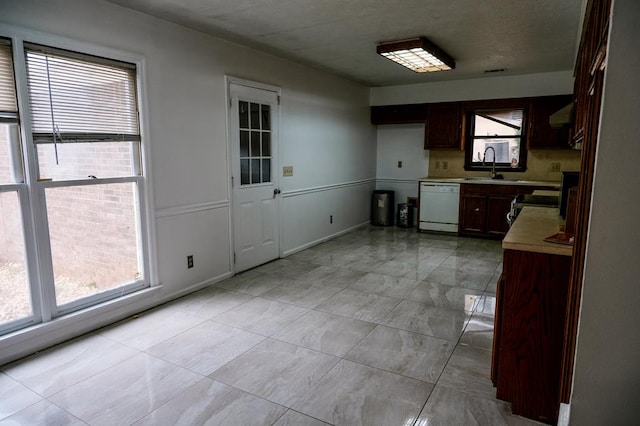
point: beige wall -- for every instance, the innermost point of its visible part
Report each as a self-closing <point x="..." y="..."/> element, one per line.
<point x="538" y="164"/>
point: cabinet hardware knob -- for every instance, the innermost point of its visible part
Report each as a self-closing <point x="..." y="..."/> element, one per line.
<point x="477" y="209"/>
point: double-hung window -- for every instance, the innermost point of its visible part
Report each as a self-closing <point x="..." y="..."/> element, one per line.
<point x="15" y="294"/>
<point x="85" y="177"/>
<point x="496" y="135"/>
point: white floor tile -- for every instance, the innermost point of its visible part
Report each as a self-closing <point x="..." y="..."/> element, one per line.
<point x="356" y="330"/>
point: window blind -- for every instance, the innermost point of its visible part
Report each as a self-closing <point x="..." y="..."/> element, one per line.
<point x="8" y="103"/>
<point x="80" y="98"/>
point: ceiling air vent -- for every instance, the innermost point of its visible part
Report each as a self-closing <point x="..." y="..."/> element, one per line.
<point x="495" y="70"/>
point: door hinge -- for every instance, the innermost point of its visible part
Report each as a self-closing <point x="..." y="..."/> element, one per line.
<point x="278" y="99"/>
<point x="231" y="181"/>
<point x="234" y="257"/>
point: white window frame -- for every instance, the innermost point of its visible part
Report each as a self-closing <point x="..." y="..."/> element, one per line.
<point x="32" y="191"/>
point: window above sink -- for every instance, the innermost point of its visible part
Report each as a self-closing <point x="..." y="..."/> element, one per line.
<point x="496" y="135"/>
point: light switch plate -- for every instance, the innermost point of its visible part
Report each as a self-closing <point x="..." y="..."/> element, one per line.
<point x="287" y="171"/>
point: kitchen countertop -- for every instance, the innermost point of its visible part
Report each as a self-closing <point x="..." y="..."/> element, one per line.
<point x="531" y="227"/>
<point x="546" y="193"/>
<point x="489" y="181"/>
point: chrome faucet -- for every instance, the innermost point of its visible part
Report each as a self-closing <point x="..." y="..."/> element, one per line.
<point x="493" y="166"/>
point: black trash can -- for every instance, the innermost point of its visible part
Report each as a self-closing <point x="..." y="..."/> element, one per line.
<point x="382" y="203"/>
<point x="405" y="215"/>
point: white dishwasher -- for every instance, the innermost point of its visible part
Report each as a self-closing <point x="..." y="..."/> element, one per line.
<point x="439" y="204"/>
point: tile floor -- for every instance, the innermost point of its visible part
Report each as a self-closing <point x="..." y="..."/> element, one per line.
<point x="382" y="326"/>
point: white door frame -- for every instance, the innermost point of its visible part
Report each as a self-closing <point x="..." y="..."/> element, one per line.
<point x="229" y="80"/>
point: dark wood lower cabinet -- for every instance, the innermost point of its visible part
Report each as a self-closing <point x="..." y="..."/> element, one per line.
<point x="484" y="207"/>
<point x="529" y="331"/>
<point x="497" y="208"/>
<point x="473" y="213"/>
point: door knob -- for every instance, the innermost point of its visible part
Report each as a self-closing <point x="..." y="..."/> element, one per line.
<point x="276" y="191"/>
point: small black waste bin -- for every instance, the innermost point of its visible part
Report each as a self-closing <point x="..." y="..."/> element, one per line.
<point x="405" y="215"/>
<point x="382" y="203"/>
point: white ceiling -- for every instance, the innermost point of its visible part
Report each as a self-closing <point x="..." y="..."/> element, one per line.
<point x="523" y="36"/>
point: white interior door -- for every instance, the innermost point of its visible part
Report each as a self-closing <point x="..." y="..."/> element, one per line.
<point x="253" y="121"/>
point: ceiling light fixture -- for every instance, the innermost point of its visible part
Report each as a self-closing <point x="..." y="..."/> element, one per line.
<point x="418" y="54"/>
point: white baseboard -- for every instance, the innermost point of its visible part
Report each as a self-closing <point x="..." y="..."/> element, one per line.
<point x="563" y="415"/>
<point x="322" y="240"/>
<point x="195" y="287"/>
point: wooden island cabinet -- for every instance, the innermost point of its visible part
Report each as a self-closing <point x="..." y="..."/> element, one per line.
<point x="531" y="301"/>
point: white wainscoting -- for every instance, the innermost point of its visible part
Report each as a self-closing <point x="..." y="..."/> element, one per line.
<point x="200" y="230"/>
<point x="203" y="230"/>
<point x="191" y="208"/>
<point x="306" y="213"/>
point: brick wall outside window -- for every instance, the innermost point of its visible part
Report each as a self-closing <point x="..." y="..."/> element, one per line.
<point x="92" y="228"/>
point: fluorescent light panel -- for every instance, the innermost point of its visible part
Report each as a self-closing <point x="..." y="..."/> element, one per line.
<point x="419" y="55"/>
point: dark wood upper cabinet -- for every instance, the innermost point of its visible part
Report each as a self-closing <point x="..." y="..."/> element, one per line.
<point x="541" y="134"/>
<point x="445" y="122"/>
<point x="590" y="63"/>
<point x="399" y="114"/>
<point x="588" y="89"/>
<point x="443" y="129"/>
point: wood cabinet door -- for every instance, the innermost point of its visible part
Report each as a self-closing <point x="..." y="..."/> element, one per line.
<point x="497" y="209"/>
<point x="399" y="114"/>
<point x="497" y="323"/>
<point x="473" y="209"/>
<point x="532" y="318"/>
<point x="443" y="129"/>
<point x="541" y="134"/>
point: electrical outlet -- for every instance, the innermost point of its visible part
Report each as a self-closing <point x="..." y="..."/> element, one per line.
<point x="555" y="167"/>
<point x="330" y="218"/>
<point x="287" y="171"/>
<point x="190" y="261"/>
<point x="399" y="164"/>
<point x="445" y="165"/>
